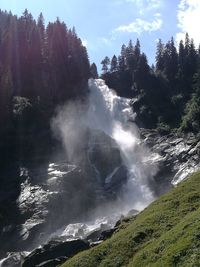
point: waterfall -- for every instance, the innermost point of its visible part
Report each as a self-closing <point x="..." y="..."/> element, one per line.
<point x="114" y="116"/>
<point x="85" y="192"/>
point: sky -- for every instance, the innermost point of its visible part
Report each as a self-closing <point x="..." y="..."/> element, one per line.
<point x="104" y="25"/>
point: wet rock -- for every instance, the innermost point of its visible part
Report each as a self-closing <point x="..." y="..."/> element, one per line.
<point x="105" y="157"/>
<point x="107" y="233"/>
<point x="116" y="178"/>
<point x="13" y="259"/>
<point x="52" y="263"/>
<point x="178" y="156"/>
<point x="100" y="235"/>
<point x="94" y="236"/>
<point x="53" y="252"/>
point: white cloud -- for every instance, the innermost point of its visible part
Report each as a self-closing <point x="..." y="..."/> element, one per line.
<point x="189" y="20"/>
<point x="146" y="5"/>
<point x="149" y="3"/>
<point x="139" y="25"/>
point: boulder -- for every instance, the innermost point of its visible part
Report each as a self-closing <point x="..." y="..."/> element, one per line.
<point x="105" y="156"/>
<point x="53" y="252"/>
<point x="107" y="233"/>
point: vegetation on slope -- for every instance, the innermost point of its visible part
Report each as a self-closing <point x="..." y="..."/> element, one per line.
<point x="167" y="233"/>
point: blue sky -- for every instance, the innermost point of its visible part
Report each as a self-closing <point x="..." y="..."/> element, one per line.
<point x="105" y="25"/>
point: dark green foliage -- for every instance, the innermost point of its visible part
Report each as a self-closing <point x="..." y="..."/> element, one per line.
<point x="191" y="118"/>
<point x="164" y="96"/>
<point x="40" y="68"/>
<point x="43" y="67"/>
<point x="35" y="61"/>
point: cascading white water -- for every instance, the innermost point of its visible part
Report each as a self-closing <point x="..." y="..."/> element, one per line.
<point x="113" y="115"/>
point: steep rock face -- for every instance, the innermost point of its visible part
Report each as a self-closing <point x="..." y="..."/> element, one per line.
<point x="176" y="156"/>
<point x="48" y="193"/>
<point x="105" y="158"/>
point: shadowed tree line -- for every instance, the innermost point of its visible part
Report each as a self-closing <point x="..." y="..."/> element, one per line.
<point x="41" y="67"/>
<point x="166" y="95"/>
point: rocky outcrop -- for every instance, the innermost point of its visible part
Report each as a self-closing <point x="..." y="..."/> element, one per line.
<point x="54" y="253"/>
<point x="105" y="158"/>
<point x="57" y="251"/>
<point x="176" y="156"/>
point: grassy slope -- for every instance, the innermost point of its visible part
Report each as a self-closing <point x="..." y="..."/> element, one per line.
<point x="167" y="233"/>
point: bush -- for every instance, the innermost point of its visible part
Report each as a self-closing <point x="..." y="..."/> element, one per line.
<point x="163" y="128"/>
<point x="191" y="119"/>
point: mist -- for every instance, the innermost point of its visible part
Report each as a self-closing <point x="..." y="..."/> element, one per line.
<point x="112" y="115"/>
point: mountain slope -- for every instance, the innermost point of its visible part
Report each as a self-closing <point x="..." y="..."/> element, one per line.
<point x="167" y="233"/>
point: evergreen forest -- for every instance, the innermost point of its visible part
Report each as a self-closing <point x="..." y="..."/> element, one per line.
<point x="41" y="67"/>
<point x="165" y="95"/>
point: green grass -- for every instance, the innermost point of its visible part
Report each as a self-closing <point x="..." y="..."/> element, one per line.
<point x="167" y="233"/>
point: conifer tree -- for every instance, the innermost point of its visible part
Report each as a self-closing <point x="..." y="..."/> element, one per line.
<point x="160" y="56"/>
<point x="105" y="64"/>
<point x="122" y="59"/>
<point x="93" y="71"/>
<point x="114" y="64"/>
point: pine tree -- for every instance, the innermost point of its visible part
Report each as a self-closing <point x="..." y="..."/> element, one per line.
<point x="181" y="55"/>
<point x="42" y="34"/>
<point x="114" y="64"/>
<point x="137" y="51"/>
<point x="130" y="59"/>
<point x="122" y="59"/>
<point x="93" y="71"/>
<point x="160" y="56"/>
<point x="192" y="57"/>
<point x="105" y="64"/>
<point x="170" y="61"/>
<point x="187" y="43"/>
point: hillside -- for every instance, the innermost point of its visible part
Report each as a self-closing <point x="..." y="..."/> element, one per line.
<point x="167" y="233"/>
